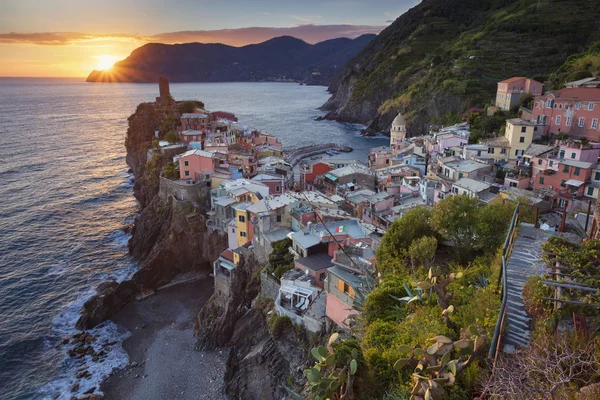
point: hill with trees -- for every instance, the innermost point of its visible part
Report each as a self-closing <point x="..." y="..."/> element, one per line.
<point x="443" y="57"/>
<point x="282" y="58"/>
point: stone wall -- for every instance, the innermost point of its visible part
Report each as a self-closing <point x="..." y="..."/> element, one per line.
<point x="269" y="287"/>
<point x="182" y="191"/>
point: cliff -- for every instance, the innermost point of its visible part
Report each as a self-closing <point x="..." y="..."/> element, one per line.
<point x="259" y="363"/>
<point x="282" y="58"/>
<point x="443" y="57"/>
<point x="169" y="235"/>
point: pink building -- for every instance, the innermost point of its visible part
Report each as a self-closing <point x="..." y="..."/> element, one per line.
<point x="195" y="164"/>
<point x="510" y="91"/>
<point x="574" y="111"/>
<point x="580" y="152"/>
<point x="274" y="182"/>
<point x="194" y="121"/>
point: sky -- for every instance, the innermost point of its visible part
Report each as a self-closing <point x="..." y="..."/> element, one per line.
<point x="70" y="38"/>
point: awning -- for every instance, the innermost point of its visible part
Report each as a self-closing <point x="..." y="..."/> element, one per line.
<point x="573" y="182"/>
<point x="227" y="266"/>
<point x="296" y="290"/>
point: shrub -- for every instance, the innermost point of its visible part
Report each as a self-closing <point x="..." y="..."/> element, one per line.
<point x="264" y="304"/>
<point x="172" y="137"/>
<point x="278" y="324"/>
<point x="379" y="303"/>
<point x="533" y="292"/>
<point x="170" y="172"/>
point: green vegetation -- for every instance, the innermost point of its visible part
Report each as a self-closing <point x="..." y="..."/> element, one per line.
<point x="448" y="55"/>
<point x="427" y="324"/>
<point x="578" y="66"/>
<point x="171" y="137"/>
<point x="189" y="106"/>
<point x="170" y="172"/>
<point x="280" y="259"/>
<point x="279" y="324"/>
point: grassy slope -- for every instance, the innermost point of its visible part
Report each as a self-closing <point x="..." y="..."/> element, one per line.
<point x="411" y="66"/>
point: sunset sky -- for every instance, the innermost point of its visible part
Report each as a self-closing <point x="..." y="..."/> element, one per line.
<point x="69" y="38"/>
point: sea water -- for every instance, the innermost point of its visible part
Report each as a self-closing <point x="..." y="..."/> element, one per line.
<point x="65" y="194"/>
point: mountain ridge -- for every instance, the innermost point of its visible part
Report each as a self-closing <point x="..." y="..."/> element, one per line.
<point x="443" y="57"/>
<point x="284" y="58"/>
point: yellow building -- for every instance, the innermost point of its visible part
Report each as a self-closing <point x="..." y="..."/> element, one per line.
<point x="520" y="135"/>
<point x="242" y="228"/>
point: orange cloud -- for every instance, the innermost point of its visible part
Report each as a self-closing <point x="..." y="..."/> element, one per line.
<point x="235" y="37"/>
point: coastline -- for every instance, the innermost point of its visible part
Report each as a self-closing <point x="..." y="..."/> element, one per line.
<point x="162" y="334"/>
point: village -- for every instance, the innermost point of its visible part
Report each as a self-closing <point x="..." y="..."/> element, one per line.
<point x="316" y="223"/>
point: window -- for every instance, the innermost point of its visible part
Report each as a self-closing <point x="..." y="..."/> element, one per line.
<point x="557" y="122"/>
<point x="577" y="105"/>
<point x="490" y="150"/>
<point x="537" y="104"/>
<point x="535" y="88"/>
<point x="522" y="139"/>
<point x="502" y="151"/>
<point x="568" y="121"/>
<point x="541" y="180"/>
<point x="551" y="163"/>
<point x="590" y="191"/>
<point x="590" y="106"/>
<point x="387" y="160"/>
<point x="460" y="175"/>
<point x="186" y="163"/>
<point x="549" y="103"/>
<point x="560" y="106"/>
<point x="322" y="276"/>
<point x="540" y="161"/>
<point x="563" y="183"/>
<point x="519" y="153"/>
<point x="187" y="173"/>
<point x="523" y="129"/>
<point x="566" y="169"/>
<point x="277" y="189"/>
<point x="513" y="184"/>
<point x="581" y="122"/>
<point x="242" y="234"/>
<point x="577" y="171"/>
<point x="242" y="218"/>
<point x="562" y="154"/>
<point x="594" y="123"/>
<point x="279" y="218"/>
<point x="573" y="155"/>
<point x="597" y="176"/>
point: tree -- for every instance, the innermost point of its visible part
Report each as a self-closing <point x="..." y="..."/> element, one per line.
<point x="393" y="252"/>
<point x="172" y="137"/>
<point x="491" y="226"/>
<point x="422" y="252"/>
<point x="455" y="218"/>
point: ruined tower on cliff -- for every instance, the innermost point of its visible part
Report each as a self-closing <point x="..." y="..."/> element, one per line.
<point x="164" y="91"/>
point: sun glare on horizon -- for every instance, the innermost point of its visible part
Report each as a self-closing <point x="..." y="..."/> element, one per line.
<point x="105" y="61"/>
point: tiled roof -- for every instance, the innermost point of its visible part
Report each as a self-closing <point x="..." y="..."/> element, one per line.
<point x="592" y="94"/>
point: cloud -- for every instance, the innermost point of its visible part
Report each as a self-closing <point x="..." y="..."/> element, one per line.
<point x="235" y="37"/>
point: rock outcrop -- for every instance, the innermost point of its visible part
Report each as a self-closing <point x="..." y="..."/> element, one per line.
<point x="169" y="237"/>
<point x="259" y="364"/>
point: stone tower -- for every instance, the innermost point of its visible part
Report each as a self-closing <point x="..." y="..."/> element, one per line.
<point x="163" y="87"/>
<point x="398" y="131"/>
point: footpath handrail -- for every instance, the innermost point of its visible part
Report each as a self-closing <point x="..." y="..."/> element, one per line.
<point x="502" y="282"/>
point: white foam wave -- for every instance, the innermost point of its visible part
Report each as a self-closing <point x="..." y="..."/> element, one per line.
<point x="59" y="269"/>
<point x="120" y="238"/>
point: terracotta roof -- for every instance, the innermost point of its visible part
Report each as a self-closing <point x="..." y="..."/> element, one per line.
<point x="513" y="79"/>
<point x="578" y="94"/>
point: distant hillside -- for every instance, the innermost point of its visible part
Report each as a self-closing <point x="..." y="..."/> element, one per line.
<point x="282" y="58"/>
<point x="444" y="56"/>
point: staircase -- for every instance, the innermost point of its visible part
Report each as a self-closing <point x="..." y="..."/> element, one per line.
<point x="523" y="262"/>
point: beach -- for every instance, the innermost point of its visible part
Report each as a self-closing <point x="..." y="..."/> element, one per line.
<point x="162" y="361"/>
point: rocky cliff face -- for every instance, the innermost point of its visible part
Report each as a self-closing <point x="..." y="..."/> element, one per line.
<point x="444" y="56"/>
<point x="168" y="238"/>
<point x="259" y="364"/>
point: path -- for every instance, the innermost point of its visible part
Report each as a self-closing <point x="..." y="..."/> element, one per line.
<point x="524" y="261"/>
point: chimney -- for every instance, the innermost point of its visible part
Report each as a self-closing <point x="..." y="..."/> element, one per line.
<point x="308" y="227"/>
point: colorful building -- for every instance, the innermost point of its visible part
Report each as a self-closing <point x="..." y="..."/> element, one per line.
<point x="511" y="90"/>
<point x="573" y="111"/>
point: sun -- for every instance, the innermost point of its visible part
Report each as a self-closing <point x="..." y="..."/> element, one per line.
<point x="105" y="61"/>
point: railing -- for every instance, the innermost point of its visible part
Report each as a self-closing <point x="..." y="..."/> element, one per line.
<point x="502" y="283"/>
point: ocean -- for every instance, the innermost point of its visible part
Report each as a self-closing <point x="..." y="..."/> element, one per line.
<point x="65" y="194"/>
